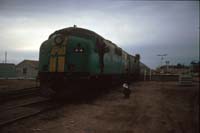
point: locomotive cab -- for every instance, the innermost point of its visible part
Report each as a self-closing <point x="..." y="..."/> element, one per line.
<point x="64" y="60"/>
<point x="70" y="56"/>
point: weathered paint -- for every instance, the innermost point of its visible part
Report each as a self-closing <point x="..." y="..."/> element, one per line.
<point x="57" y="59"/>
<point x="62" y="58"/>
<point x="52" y="64"/>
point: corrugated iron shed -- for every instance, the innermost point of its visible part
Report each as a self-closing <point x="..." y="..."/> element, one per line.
<point x="7" y="70"/>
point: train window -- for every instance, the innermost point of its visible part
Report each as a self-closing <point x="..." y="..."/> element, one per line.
<point x="115" y="50"/>
<point x="101" y="47"/>
<point x="135" y="60"/>
<point x="137" y="57"/>
<point x="118" y="51"/>
<point x="97" y="45"/>
<point x="106" y="49"/>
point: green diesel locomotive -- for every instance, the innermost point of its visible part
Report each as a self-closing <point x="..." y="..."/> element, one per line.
<point x="75" y="60"/>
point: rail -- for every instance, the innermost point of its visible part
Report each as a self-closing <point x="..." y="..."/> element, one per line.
<point x="8" y="95"/>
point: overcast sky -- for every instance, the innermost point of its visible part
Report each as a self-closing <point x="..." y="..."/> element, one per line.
<point x="145" y="27"/>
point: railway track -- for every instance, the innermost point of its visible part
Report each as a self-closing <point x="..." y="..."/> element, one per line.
<point x="14" y="94"/>
<point x="14" y="112"/>
<point x="24" y="105"/>
<point x="19" y="104"/>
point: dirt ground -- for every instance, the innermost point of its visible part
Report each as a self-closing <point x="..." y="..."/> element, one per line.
<point x="15" y="84"/>
<point x="153" y="107"/>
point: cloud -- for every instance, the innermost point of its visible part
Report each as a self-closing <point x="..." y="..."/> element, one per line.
<point x="141" y="27"/>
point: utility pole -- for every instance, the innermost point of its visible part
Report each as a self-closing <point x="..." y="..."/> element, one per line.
<point x="5" y="57"/>
<point x="162" y="58"/>
<point x="167" y="63"/>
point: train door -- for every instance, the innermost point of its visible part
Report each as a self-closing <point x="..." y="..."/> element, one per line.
<point x="77" y="54"/>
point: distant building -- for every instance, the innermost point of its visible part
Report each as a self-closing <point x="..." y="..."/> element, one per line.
<point x="195" y="67"/>
<point x="7" y="70"/>
<point x="27" y="69"/>
<point x="174" y="69"/>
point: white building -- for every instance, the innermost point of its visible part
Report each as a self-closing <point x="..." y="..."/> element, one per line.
<point x="27" y="69"/>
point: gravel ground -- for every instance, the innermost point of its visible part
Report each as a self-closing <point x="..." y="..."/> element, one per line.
<point x="153" y="107"/>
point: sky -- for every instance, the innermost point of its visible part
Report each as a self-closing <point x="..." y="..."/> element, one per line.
<point x="145" y="27"/>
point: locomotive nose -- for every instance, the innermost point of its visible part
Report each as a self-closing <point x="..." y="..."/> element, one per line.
<point x="77" y="54"/>
<point x="58" y="54"/>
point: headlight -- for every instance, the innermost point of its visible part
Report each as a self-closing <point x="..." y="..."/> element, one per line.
<point x="81" y="50"/>
<point x="59" y="39"/>
<point x="78" y="50"/>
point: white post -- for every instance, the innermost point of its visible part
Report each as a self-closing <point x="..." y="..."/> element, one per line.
<point x="150" y="74"/>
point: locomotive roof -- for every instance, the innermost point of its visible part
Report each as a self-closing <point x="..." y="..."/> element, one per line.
<point x="77" y="31"/>
<point x="81" y="32"/>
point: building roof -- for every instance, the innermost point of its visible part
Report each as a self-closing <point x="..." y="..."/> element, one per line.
<point x="32" y="63"/>
<point x="7" y="64"/>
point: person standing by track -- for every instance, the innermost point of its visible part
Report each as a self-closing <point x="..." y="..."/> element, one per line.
<point x="126" y="86"/>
